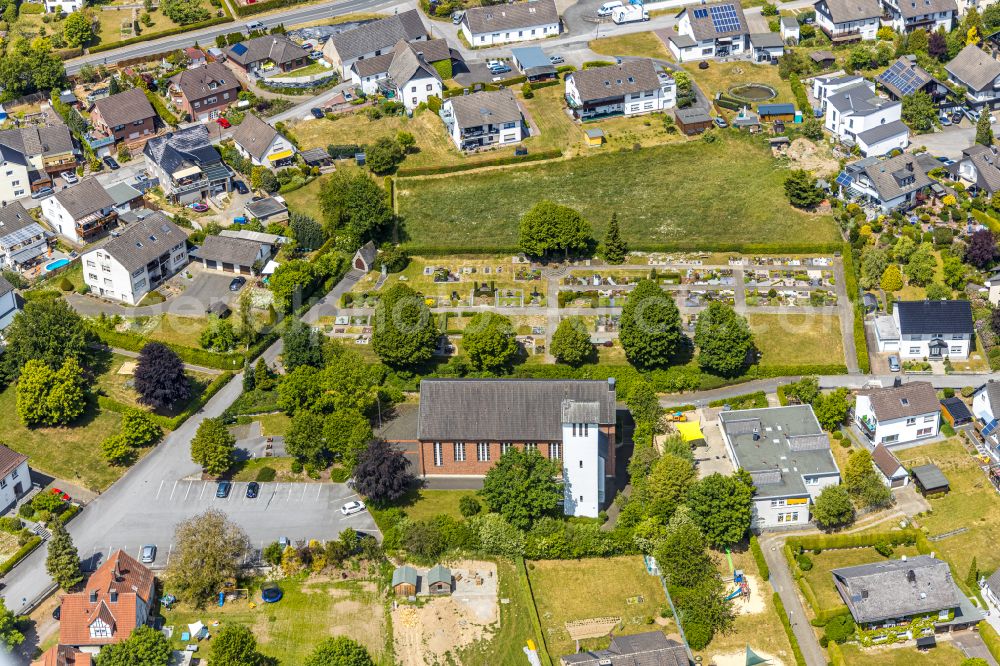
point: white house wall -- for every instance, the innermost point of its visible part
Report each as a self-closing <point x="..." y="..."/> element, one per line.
<point x="9" y="485"/>
<point x="583" y="471"/>
<point x="509" y="36"/>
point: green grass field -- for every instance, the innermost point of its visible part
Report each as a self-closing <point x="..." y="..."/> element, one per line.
<point x="640" y="44"/>
<point x="687" y="194"/>
<point x="945" y="654"/>
<point x="118" y="386"/>
<point x="817" y="338"/>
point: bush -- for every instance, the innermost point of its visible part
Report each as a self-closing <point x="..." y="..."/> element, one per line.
<point x="65" y="284"/>
<point x="804" y="561"/>
<point x="265" y="474"/>
<point x="469" y="506"/>
<point x="837" y="434"/>
<point x="47" y="502"/>
<point x="26" y="511"/>
<point x="839" y="629"/>
<point x="296" y="467"/>
<point x="11" y="524"/>
<point x="967" y="391"/>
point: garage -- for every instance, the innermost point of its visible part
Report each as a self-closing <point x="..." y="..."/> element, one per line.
<point x="234" y="255"/>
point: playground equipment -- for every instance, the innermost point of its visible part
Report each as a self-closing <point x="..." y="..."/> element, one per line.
<point x="742" y="586"/>
<point x="532" y="653"/>
<point x="676" y="417"/>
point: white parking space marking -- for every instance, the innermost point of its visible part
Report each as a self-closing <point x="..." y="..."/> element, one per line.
<point x="318" y="490"/>
<point x="170" y="550"/>
<point x="159" y="490"/>
<point x="203" y="486"/>
<point x="290" y="488"/>
<point x="172" y="490"/>
<point x="188" y="491"/>
<point x="304" y="489"/>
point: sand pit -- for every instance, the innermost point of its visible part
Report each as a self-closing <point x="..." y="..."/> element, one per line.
<point x="807" y="155"/>
<point x="740" y="658"/>
<point x="755" y="603"/>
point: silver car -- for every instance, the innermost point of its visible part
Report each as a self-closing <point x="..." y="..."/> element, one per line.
<point x="148" y="555"/>
<point x="894" y="363"/>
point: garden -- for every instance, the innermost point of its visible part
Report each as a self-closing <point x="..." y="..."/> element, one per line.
<point x="817" y="338"/>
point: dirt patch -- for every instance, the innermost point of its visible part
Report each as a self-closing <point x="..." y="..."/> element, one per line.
<point x="740" y="658"/>
<point x="754" y="603"/>
<point x="425" y="632"/>
<point x="807" y="155"/>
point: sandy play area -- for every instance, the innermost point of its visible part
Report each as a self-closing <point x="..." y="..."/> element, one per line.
<point x="424" y="633"/>
<point x="740" y="659"/>
<point x="755" y="603"/>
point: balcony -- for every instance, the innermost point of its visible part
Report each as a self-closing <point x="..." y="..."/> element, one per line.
<point x="94" y="224"/>
<point x="473" y="133"/>
<point x="96" y="141"/>
<point x="867" y="425"/>
<point x="183" y="187"/>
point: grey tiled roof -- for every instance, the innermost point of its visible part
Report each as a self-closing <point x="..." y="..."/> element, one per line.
<point x="197" y="83"/>
<point x="44" y="140"/>
<point x="987" y="165"/>
<point x="14" y="217"/>
<point x="407" y="65"/>
<point x="229" y="250"/>
<point x="378" y="35"/>
<point x="889" y="177"/>
<point x="277" y="48"/>
<point x="265" y="207"/>
<point x="144" y="241"/>
<point x="915" y="8"/>
<point x="439" y="574"/>
<point x="974" y="67"/>
<point x="372" y="66"/>
<point x="189" y="146"/>
<point x="125" y="108"/>
<point x="486" y="107"/>
<point x="789" y="22"/>
<point x="368" y="252"/>
<point x="9" y="459"/>
<point x="930" y="476"/>
<point x="122" y="193"/>
<point x="517" y="16"/>
<point x="86" y="197"/>
<point x="433" y="49"/>
<point x="859" y="100"/>
<point x="649" y="648"/>
<point x="939" y="317"/>
<point x="515" y="410"/>
<point x="703" y="27"/>
<point x="843" y="11"/>
<point x="766" y="40"/>
<point x="254" y="135"/>
<point x="883" y="132"/>
<point x="404" y="574"/>
<point x="896" y="588"/>
<point x="613" y="81"/>
<point x="897" y="402"/>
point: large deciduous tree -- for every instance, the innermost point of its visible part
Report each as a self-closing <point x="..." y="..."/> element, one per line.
<point x="235" y="645"/>
<point x="724" y="340"/>
<point x="10" y="634"/>
<point x="921" y="266"/>
<point x="304" y="440"/>
<point x="289" y="281"/>
<point x="145" y="646"/>
<point x="489" y="340"/>
<point x="159" y="377"/>
<point x="355" y="208"/>
<point x="863" y="482"/>
<point x="382" y="473"/>
<point x="892" y="279"/>
<point x="833" y="508"/>
<point x="347" y="433"/>
<point x="721" y="507"/>
<point x="831" y="409"/>
<point x="919" y="112"/>
<point x="302" y="346"/>
<point x="667" y="486"/>
<point x="404" y="333"/>
<point x="51" y="397"/>
<point x="522" y="487"/>
<point x="650" y="327"/>
<point x="208" y="551"/>
<point x="339" y="651"/>
<point x="571" y="343"/>
<point x="982" y="249"/>
<point x="62" y="561"/>
<point x="47" y="330"/>
<point x="549" y="227"/>
<point x="213" y="446"/>
<point x="78" y="29"/>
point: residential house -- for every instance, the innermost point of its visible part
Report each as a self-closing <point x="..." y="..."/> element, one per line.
<point x="267" y="210"/>
<point x="927" y="330"/>
<point x="484" y="120"/>
<point x="898" y="414"/>
<point x="692" y="120"/>
<point x="649" y="648"/>
<point x="404" y="581"/>
<point x="125" y="196"/>
<point x="505" y="23"/>
<point x="465" y="425"/>
<point x="63" y="6"/>
<point x="766" y="47"/>
<point x="373" y="39"/>
<point x="188" y="166"/>
<point x="896" y="183"/>
<point x="45" y="151"/>
<point x="115" y="600"/>
<point x="893" y="592"/>
<point x="138" y="260"/>
<point x="855" y="114"/>
<point x="259" y="142"/>
<point x="790" y="29"/>
<point x="630" y="88"/>
<point x="978" y="73"/>
<point x="15" y="477"/>
<point x="979" y="170"/>
<point x="81" y="212"/>
<point x="268" y="54"/>
<point x="233" y="255"/>
<point x="204" y="92"/>
<point x="196" y="57"/>
<point x="533" y="63"/>
<point x="372" y="74"/>
<point x="17" y="175"/>
<point x="905" y="16"/>
<point x="705" y="31"/>
<point x="127" y="116"/>
<point x="986" y="409"/>
<point x="992" y="587"/>
<point x="846" y="21"/>
<point x="888" y="467"/>
<point x="788" y="457"/>
<point x="22" y="239"/>
<point x="364" y="258"/>
<point x="8" y="304"/>
<point x="905" y="77"/>
<point x="63" y="655"/>
<point x="411" y="78"/>
<point x="439" y="580"/>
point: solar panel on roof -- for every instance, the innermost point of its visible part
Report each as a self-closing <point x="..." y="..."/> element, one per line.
<point x="724" y="18"/>
<point x="239" y="49"/>
<point x="843" y="179"/>
<point x="701" y="13"/>
<point x="988" y="430"/>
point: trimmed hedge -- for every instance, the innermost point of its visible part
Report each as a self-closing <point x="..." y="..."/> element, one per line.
<point x="758" y="557"/>
<point x="176" y="30"/>
<point x="161" y="109"/>
<point x="70" y="513"/>
<point x="21" y="553"/>
<point x="167" y="422"/>
<point x="851" y="285"/>
<point x="676" y="246"/>
<point x="800" y="659"/>
<point x="497" y="85"/>
<point x="990" y="637"/>
<point x="135" y="342"/>
<point x="500" y="161"/>
<point x="835" y="654"/>
<point x="536" y="623"/>
<point x="907" y="537"/>
<point x="259" y="7"/>
<point x="758" y="400"/>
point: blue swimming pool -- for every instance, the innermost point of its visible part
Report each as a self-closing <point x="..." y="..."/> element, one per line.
<point x="58" y="263"/>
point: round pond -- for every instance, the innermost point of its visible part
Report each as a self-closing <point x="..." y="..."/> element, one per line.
<point x="753" y="92"/>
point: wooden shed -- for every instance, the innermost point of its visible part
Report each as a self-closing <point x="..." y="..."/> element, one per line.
<point x="771" y="112"/>
<point x="404" y="581"/>
<point x="930" y="480"/>
<point x="955" y="412"/>
<point x="595" y="136"/>
<point x="439" y="580"/>
<point x="693" y="120"/>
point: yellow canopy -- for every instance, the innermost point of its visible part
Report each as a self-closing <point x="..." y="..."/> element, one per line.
<point x="690" y="430"/>
<point x="284" y="154"/>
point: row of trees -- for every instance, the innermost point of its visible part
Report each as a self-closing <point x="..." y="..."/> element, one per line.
<point x="549" y="229"/>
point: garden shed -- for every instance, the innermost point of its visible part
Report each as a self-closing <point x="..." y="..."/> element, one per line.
<point x="364" y="258"/>
<point x="439" y="580"/>
<point x="693" y="120"/>
<point x="404" y="581"/>
<point x="930" y="480"/>
<point x="955" y="411"/>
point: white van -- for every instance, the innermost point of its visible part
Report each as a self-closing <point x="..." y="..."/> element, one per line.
<point x="608" y="7"/>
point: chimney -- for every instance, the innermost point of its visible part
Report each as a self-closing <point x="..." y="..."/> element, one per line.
<point x="909" y="167"/>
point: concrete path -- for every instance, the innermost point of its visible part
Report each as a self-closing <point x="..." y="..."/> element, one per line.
<point x="784" y="585"/>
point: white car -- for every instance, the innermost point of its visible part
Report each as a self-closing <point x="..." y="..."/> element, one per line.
<point x="352" y="507"/>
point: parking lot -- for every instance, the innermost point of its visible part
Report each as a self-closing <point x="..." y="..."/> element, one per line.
<point x="298" y="511"/>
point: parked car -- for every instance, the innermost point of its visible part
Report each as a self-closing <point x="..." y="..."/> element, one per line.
<point x="556" y="59"/>
<point x="42" y="193"/>
<point x="720" y="122"/>
<point x="222" y="491"/>
<point x="945" y="120"/>
<point x="316" y="55"/>
<point x="956" y="116"/>
<point x="148" y="554"/>
<point x="457" y="17"/>
<point x="69" y="177"/>
<point x="971" y="114"/>
<point x="110" y="161"/>
<point x="223" y="123"/>
<point x="352" y="507"/>
<point x="253" y="489"/>
<point x="255" y="25"/>
<point x="237" y="283"/>
<point x="894" y="363"/>
<point x="57" y="612"/>
<point x="317" y="113"/>
<point x="499" y="68"/>
<point x="241" y="187"/>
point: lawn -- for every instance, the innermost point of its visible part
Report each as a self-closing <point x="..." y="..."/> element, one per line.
<point x="945" y="654"/>
<point x="721" y="76"/>
<point x="308" y="612"/>
<point x="309" y="70"/>
<point x="972" y="503"/>
<point x="118" y="386"/>
<point x="110" y="20"/>
<point x="564" y="591"/>
<point x="273" y="424"/>
<point x="817" y="338"/>
<point x="821" y="581"/>
<point x="686" y="194"/>
<point x="305" y="200"/>
<point x="72" y="453"/>
<point x="640" y="44"/>
<point x="423" y="504"/>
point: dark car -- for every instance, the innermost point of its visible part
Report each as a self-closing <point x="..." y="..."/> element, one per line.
<point x="317" y="113"/>
<point x="223" y="490"/>
<point x="57" y="612"/>
<point x="237" y="283"/>
<point x="111" y="163"/>
<point x="241" y="187"/>
<point x="253" y="488"/>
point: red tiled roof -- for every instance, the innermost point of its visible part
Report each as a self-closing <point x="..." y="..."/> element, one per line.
<point x="9" y="460"/>
<point x="63" y="655"/>
<point x="133" y="583"/>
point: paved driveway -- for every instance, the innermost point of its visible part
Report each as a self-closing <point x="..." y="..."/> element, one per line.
<point x="972" y="645"/>
<point x="204" y="288"/>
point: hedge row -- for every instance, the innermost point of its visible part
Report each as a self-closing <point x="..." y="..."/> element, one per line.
<point x="636" y="245"/>
<point x="758" y="557"/>
<point x="836" y="655"/>
<point x="167" y="422"/>
<point x="257" y="8"/>
<point x="506" y="83"/>
<point x="800" y="659"/>
<point x="758" y="399"/>
<point x="466" y="166"/>
<point x="70" y="513"/>
<point x="176" y="30"/>
<point x="536" y="623"/>
<point x="135" y="342"/>
<point x="907" y="537"/>
<point x="799" y="90"/>
<point x="161" y="109"/>
<point x="990" y="637"/>
<point x="21" y="553"/>
<point x="851" y="285"/>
